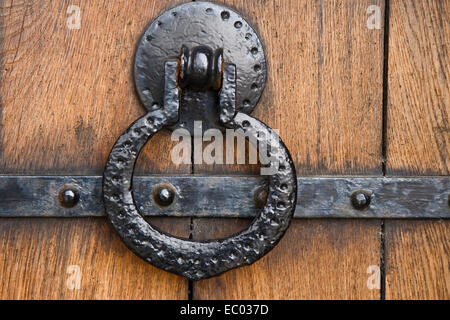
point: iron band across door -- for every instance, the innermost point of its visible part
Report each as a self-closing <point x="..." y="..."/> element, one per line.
<point x="229" y="62"/>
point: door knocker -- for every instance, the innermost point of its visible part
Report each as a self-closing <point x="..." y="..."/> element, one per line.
<point x="198" y="61"/>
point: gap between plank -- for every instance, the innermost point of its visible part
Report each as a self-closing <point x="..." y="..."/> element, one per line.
<point x="191" y="226"/>
<point x="384" y="142"/>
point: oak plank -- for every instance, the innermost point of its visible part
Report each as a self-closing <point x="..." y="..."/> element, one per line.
<point x="66" y="95"/>
<point x="37" y="255"/>
<point x="315" y="260"/>
<point x="326" y="100"/>
<point x="418" y="141"/>
<point x="418" y="126"/>
<point x="417" y="260"/>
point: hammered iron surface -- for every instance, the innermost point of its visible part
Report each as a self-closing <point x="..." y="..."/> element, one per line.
<point x="196" y="260"/>
<point x="216" y="27"/>
<point x="200" y="24"/>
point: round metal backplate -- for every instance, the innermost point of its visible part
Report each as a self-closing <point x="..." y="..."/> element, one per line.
<point x="200" y="24"/>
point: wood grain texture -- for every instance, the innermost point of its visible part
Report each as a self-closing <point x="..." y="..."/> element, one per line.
<point x="418" y="127"/>
<point x="417" y="263"/>
<point x="66" y="96"/>
<point x="418" y="142"/>
<point x="327" y="103"/>
<point x="315" y="260"/>
<point x="36" y="255"/>
<point x="321" y="94"/>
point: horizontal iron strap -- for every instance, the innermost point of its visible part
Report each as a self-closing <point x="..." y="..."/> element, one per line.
<point x="233" y="196"/>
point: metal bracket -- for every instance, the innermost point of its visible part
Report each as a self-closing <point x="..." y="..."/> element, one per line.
<point x="195" y="196"/>
<point x="213" y="34"/>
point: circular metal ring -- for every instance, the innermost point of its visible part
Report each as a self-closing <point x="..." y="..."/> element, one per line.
<point x="204" y="259"/>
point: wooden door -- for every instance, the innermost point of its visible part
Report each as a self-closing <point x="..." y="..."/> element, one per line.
<point x="352" y="93"/>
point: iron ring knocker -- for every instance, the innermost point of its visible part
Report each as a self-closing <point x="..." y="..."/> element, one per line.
<point x="197" y="260"/>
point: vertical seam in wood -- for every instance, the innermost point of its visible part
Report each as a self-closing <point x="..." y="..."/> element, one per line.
<point x="190" y="294"/>
<point x="382" y="261"/>
<point x="385" y="87"/>
<point x="191" y="225"/>
<point x="384" y="143"/>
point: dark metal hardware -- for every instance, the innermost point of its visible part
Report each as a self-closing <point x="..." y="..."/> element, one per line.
<point x="361" y="199"/>
<point x="211" y="33"/>
<point x="209" y="67"/>
<point x="195" y="196"/>
<point x="69" y="197"/>
<point x="164" y="194"/>
<point x="221" y="94"/>
<point x="201" y="68"/>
